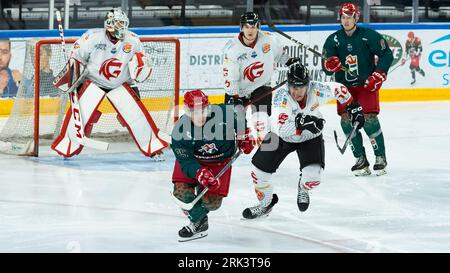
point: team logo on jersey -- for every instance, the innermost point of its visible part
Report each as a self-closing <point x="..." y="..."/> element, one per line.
<point x="76" y="45"/>
<point x="109" y="65"/>
<point x="266" y="48"/>
<point x="114" y="50"/>
<point x="208" y="148"/>
<point x="254" y="54"/>
<point x="253" y="71"/>
<point x="349" y="47"/>
<point x="127" y="48"/>
<point x="282" y="118"/>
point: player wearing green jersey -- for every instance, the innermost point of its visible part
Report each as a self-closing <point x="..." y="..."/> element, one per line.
<point x="203" y="140"/>
<point x="368" y="57"/>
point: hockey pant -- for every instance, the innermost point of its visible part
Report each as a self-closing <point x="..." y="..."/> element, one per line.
<point x="130" y="112"/>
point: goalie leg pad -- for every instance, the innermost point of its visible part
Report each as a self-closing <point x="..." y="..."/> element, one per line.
<point x="66" y="143"/>
<point x="137" y="119"/>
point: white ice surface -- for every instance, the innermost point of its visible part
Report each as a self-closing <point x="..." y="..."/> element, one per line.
<point x="120" y="202"/>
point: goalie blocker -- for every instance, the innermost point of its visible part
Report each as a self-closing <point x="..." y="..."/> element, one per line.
<point x="131" y="113"/>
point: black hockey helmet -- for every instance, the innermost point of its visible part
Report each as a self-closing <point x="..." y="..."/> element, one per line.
<point x="298" y="75"/>
<point x="251" y="18"/>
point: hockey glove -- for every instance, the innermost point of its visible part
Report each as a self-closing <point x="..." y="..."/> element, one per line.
<point x="355" y="114"/>
<point x="333" y="64"/>
<point x="373" y="83"/>
<point x="292" y="61"/>
<point x="206" y="178"/>
<point x="308" y="122"/>
<point x="246" y="142"/>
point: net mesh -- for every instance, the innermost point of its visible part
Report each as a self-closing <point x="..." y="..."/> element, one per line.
<point x="158" y="94"/>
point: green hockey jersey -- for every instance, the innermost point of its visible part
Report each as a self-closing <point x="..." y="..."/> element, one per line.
<point x="358" y="53"/>
<point x="214" y="141"/>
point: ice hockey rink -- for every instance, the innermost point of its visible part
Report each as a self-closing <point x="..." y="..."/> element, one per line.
<point x="120" y="201"/>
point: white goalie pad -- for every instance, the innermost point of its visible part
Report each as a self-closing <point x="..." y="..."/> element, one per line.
<point x="69" y="75"/>
<point x="137" y="119"/>
<point x="140" y="67"/>
<point x="67" y="143"/>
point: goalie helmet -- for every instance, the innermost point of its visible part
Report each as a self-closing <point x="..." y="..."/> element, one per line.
<point x="298" y="75"/>
<point x="116" y="23"/>
<point x="251" y="18"/>
<point x="349" y="9"/>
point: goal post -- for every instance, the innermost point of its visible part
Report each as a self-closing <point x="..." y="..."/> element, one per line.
<point x="39" y="108"/>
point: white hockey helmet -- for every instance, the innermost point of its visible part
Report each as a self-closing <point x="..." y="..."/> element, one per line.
<point x="116" y="22"/>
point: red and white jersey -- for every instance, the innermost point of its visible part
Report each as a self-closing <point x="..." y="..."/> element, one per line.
<point x="245" y="68"/>
<point x="285" y="108"/>
<point x="106" y="62"/>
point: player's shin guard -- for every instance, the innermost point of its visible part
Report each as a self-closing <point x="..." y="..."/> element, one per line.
<point x="263" y="186"/>
<point x="185" y="192"/>
<point x="137" y="119"/>
<point x="373" y="130"/>
<point x="356" y="142"/>
<point x="310" y="179"/>
<point x="90" y="97"/>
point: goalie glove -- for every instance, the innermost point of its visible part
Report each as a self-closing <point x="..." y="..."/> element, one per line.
<point x="72" y="74"/>
<point x="140" y="67"/>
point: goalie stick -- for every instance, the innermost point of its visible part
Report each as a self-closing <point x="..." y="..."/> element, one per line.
<point x="76" y="111"/>
<point x="315" y="52"/>
<point x="189" y="206"/>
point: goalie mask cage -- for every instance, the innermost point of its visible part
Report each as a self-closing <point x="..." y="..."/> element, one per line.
<point x="39" y="108"/>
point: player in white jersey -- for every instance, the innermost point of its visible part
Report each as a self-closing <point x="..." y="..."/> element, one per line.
<point x="115" y="60"/>
<point x="249" y="63"/>
<point x="296" y="125"/>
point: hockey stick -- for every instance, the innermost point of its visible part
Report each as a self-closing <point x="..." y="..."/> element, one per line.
<point x="347" y="141"/>
<point x="315" y="52"/>
<point x="76" y="111"/>
<point x="189" y="206"/>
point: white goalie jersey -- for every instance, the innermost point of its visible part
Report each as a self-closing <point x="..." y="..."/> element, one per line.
<point x="285" y="108"/>
<point x="247" y="68"/>
<point x="106" y="62"/>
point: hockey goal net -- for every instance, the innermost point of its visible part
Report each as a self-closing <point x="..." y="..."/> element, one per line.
<point x="37" y="114"/>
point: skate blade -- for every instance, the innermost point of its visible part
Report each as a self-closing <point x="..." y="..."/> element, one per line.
<point x="256" y="218"/>
<point x="362" y="172"/>
<point x="380" y="172"/>
<point x="195" y="237"/>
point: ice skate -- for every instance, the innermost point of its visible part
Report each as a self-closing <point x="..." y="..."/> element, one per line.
<point x="302" y="198"/>
<point x="194" y="231"/>
<point x="361" y="167"/>
<point x="258" y="210"/>
<point x="380" y="165"/>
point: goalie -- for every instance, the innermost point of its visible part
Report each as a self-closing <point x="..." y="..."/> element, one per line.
<point x="114" y="60"/>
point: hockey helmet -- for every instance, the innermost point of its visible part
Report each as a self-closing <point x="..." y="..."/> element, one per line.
<point x="195" y="100"/>
<point x="116" y="22"/>
<point x="349" y="9"/>
<point x="251" y="18"/>
<point x="410" y="35"/>
<point x="298" y="75"/>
